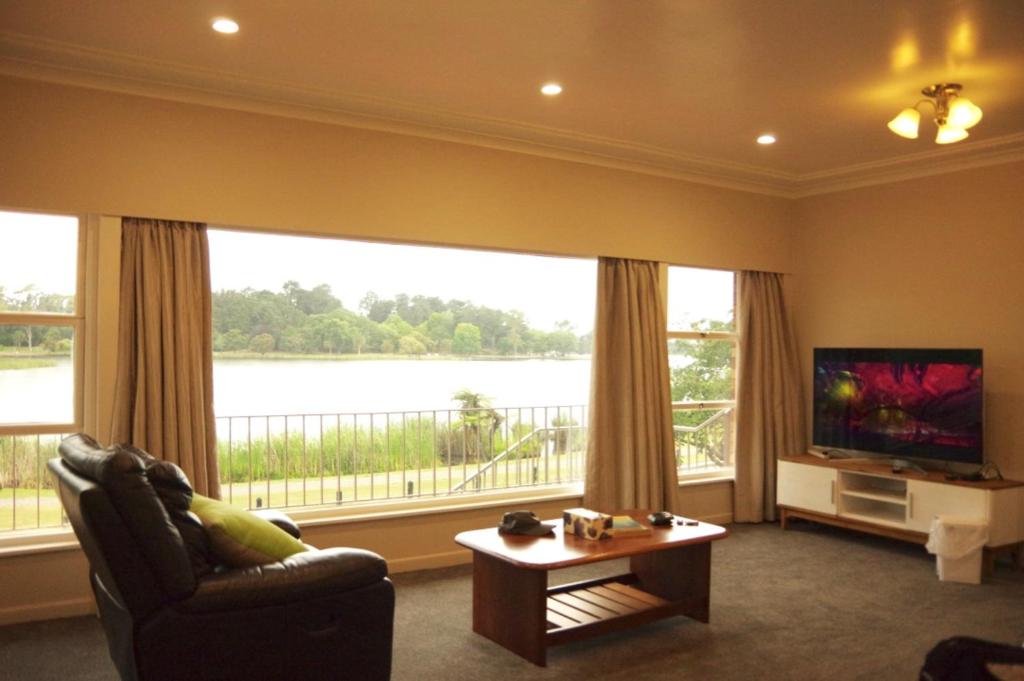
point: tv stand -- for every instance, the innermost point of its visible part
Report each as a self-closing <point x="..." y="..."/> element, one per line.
<point x="868" y="496"/>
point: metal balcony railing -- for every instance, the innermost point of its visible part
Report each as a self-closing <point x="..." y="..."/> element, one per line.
<point x="344" y="458"/>
<point x="28" y="500"/>
<point x="706" y="445"/>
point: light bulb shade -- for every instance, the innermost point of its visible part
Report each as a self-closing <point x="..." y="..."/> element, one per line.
<point x="950" y="133"/>
<point x="905" y="124"/>
<point x="963" y="113"/>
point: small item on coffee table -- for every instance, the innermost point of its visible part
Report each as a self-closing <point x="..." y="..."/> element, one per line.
<point x="628" y="527"/>
<point x="524" y="522"/>
<point x="588" y="524"/>
<point x="661" y="518"/>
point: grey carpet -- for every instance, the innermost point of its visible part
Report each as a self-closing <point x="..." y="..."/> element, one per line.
<point x="809" y="603"/>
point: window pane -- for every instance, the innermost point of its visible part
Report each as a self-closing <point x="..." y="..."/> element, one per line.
<point x="702" y="370"/>
<point x="353" y="371"/>
<point x="460" y="314"/>
<point x="702" y="438"/>
<point x="37" y="378"/>
<point x="700" y="300"/>
<point x="38" y="262"/>
<point x="27" y="498"/>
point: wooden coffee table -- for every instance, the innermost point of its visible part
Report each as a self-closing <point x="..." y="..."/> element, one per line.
<point x="670" y="574"/>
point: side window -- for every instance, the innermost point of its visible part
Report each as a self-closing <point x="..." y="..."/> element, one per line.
<point x="41" y="323"/>
<point x="702" y="360"/>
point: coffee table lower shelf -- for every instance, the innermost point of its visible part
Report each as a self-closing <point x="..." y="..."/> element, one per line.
<point x="584" y="609"/>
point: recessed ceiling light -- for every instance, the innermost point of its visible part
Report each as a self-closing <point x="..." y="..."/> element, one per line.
<point x="551" y="89"/>
<point x="223" y="25"/>
<point x="766" y="139"/>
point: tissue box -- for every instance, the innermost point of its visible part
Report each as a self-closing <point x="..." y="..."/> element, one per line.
<point x="587" y="524"/>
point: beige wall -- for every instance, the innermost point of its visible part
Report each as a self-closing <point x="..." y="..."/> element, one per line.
<point x="44" y="585"/>
<point x="80" y="150"/>
<point x="936" y="262"/>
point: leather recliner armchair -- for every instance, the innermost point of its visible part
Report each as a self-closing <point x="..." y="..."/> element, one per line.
<point x="321" y="614"/>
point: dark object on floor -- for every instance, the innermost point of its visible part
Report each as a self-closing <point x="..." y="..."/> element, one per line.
<point x="167" y="617"/>
<point x="962" y="658"/>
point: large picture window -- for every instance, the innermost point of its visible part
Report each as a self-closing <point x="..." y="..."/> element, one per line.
<point x="350" y="372"/>
<point x="702" y="360"/>
<point x="41" y="325"/>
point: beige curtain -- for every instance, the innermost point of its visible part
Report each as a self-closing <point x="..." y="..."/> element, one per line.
<point x="769" y="406"/>
<point x="163" y="399"/>
<point x="630" y="454"/>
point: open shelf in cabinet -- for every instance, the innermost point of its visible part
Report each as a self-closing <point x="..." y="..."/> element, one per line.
<point x="873" y="498"/>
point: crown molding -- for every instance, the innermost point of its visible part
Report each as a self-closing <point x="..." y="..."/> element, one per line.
<point x="936" y="161"/>
<point x="36" y="58"/>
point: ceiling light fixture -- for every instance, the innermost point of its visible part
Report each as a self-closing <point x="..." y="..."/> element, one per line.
<point x="766" y="139"/>
<point x="225" y="25"/>
<point x="953" y="114"/>
<point x="551" y="89"/>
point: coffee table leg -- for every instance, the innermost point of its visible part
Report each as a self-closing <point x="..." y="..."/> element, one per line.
<point x="681" y="575"/>
<point x="510" y="606"/>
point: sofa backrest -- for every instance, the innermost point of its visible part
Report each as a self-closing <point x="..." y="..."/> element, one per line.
<point x="132" y="545"/>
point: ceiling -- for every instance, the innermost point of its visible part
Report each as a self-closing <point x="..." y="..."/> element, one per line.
<point x="679" y="87"/>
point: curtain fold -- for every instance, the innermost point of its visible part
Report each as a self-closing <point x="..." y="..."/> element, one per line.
<point x="769" y="403"/>
<point x="630" y="452"/>
<point x="163" y="397"/>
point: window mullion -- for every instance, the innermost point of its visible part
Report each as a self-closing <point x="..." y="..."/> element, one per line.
<point x="709" y="404"/>
<point x="702" y="335"/>
<point x="8" y="318"/>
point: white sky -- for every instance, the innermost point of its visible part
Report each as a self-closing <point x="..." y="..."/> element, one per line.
<point x="41" y="250"/>
<point x="546" y="289"/>
<point x="695" y="294"/>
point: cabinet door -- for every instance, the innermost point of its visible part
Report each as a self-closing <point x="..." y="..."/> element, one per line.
<point x="925" y="500"/>
<point x="812" y="488"/>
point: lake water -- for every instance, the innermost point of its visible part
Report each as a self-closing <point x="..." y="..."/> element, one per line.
<point x="37" y="395"/>
<point x="256" y="387"/>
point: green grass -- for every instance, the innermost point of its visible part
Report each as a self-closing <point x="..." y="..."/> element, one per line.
<point x="30" y="509"/>
<point x="7" y="362"/>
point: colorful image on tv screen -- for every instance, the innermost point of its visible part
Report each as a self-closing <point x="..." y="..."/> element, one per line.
<point x="930" y="409"/>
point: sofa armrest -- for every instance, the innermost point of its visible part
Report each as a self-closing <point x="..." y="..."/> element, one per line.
<point x="280" y="519"/>
<point x="302" y="576"/>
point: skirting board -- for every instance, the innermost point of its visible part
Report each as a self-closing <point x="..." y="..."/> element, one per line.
<point x="47" y="611"/>
<point x="430" y="561"/>
<point x="720" y="519"/>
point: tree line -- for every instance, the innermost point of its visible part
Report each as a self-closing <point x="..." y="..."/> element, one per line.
<point x="314" y="321"/>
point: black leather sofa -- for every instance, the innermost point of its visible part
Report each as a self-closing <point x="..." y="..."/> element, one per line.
<point x="171" y="615"/>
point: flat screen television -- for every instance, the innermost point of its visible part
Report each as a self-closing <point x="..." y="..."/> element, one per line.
<point x="924" y="404"/>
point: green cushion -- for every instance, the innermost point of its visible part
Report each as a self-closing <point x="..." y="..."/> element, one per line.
<point x="239" y="538"/>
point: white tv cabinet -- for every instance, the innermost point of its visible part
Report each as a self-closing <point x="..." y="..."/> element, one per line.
<point x="870" y="497"/>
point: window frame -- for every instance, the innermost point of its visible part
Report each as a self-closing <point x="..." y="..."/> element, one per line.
<point x="730" y="336"/>
<point x="76" y="321"/>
